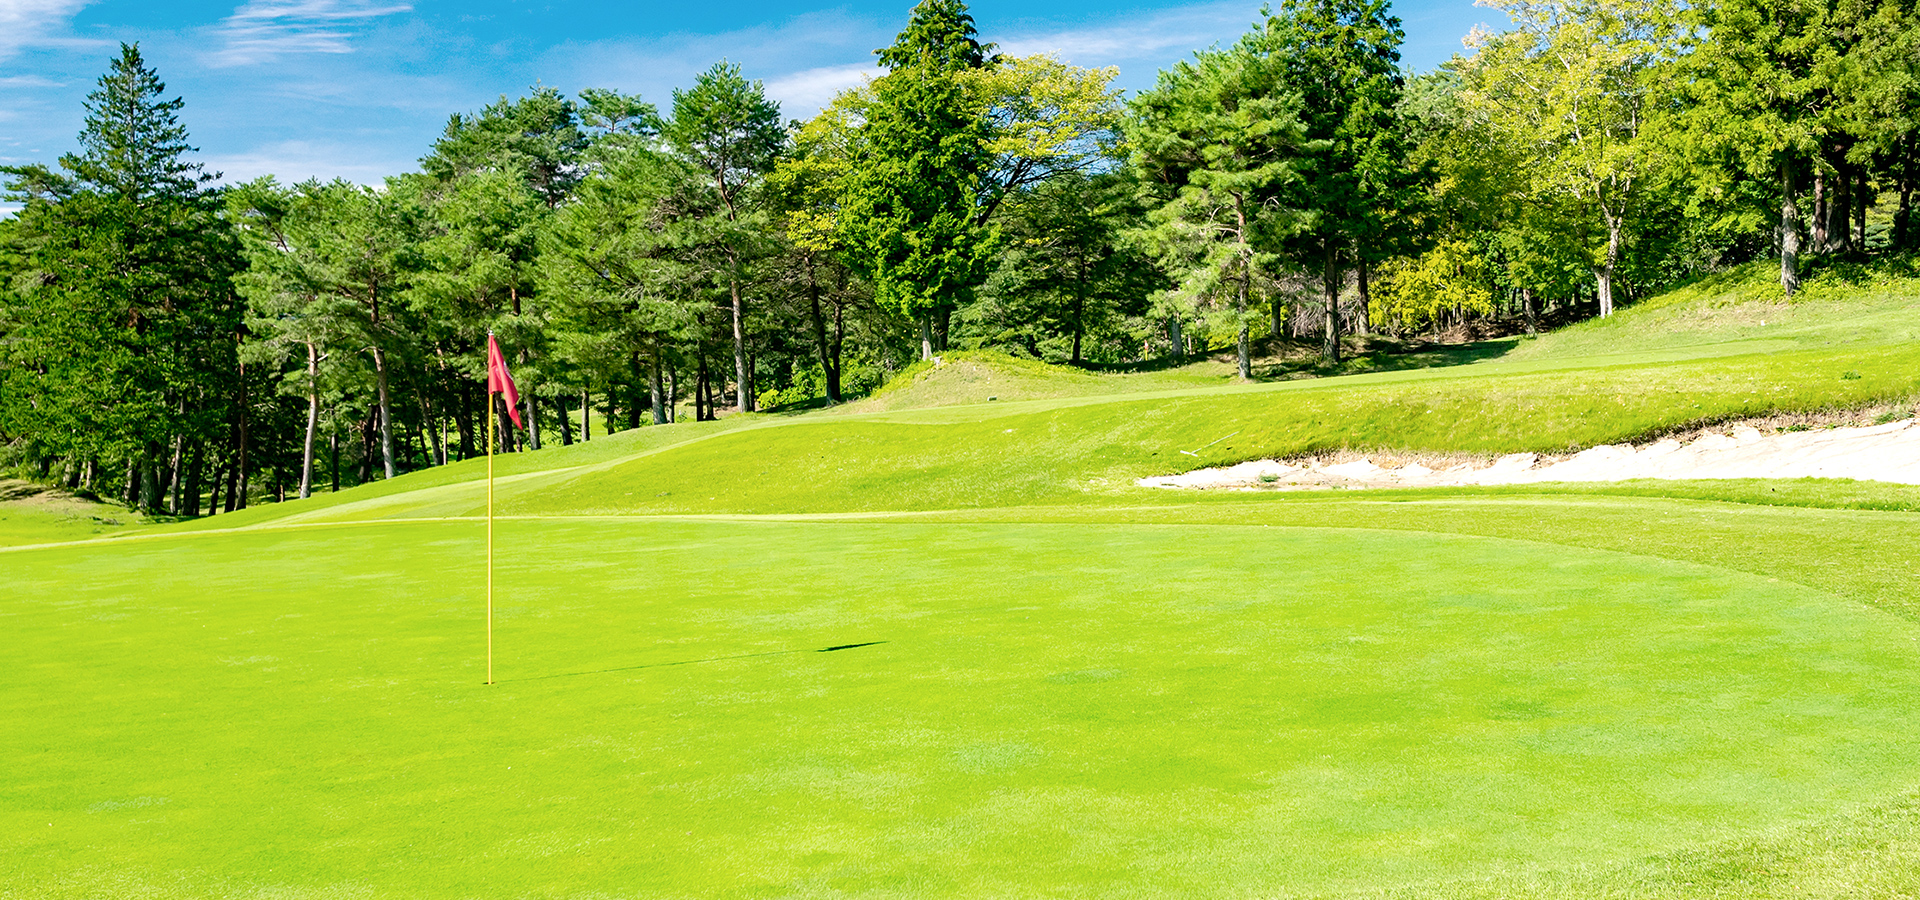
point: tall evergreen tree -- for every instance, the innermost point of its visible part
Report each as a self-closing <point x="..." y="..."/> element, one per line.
<point x="727" y="129"/>
<point x="1342" y="59"/>
<point x="912" y="198"/>
<point x="125" y="332"/>
<point x="1218" y="140"/>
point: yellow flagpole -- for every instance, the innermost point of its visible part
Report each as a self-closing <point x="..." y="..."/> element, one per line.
<point x="490" y="438"/>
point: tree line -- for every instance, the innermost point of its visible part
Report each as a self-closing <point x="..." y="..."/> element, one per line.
<point x="189" y="346"/>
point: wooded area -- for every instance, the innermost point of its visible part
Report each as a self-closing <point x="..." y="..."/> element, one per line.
<point x="189" y="346"/>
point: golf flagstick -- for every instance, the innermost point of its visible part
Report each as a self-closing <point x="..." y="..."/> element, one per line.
<point x="490" y="438"/>
<point x="498" y="381"/>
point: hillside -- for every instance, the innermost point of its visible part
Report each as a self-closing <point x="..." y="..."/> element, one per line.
<point x="1060" y="435"/>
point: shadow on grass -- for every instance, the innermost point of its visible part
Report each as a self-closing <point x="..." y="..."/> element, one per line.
<point x="711" y="659"/>
<point x="1380" y="354"/>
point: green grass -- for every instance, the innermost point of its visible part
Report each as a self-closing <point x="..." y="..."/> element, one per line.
<point x="1067" y="686"/>
<point x="1135" y="709"/>
<point x="33" y="515"/>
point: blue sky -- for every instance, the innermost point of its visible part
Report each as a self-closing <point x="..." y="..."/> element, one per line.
<point x="359" y="88"/>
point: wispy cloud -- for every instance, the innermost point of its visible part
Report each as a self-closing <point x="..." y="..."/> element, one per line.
<point x="1150" y="36"/>
<point x="28" y="81"/>
<point x="296" y="161"/>
<point x="803" y="60"/>
<point x="803" y="92"/>
<point x="38" y="23"/>
<point x="265" y="30"/>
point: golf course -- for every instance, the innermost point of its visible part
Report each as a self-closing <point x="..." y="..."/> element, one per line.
<point x="936" y="643"/>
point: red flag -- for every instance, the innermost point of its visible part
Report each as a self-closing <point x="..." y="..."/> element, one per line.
<point x="499" y="382"/>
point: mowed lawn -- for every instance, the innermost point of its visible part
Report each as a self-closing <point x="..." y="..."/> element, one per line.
<point x="1099" y="708"/>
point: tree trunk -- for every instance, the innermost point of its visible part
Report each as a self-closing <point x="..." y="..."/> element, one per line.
<point x="333" y="460"/>
<point x="1904" y="232"/>
<point x="313" y="420"/>
<point x="195" y="459"/>
<point x="926" y="334"/>
<point x="1243" y="344"/>
<point x="386" y="417"/>
<point x="672" y="377"/>
<point x="1840" y="210"/>
<point x="176" y="466"/>
<point x="834" y="388"/>
<point x="1863" y="198"/>
<point x="565" y="418"/>
<point x="586" y="415"/>
<point x="440" y="434"/>
<point x="237" y="497"/>
<point x="148" y="471"/>
<point x="1079" y="306"/>
<point x="533" y="421"/>
<point x="1818" y="238"/>
<point x="743" y="399"/>
<point x="367" y="429"/>
<point x="1175" y="339"/>
<point x="214" y="493"/>
<point x="1364" y="324"/>
<point x="1789" y="231"/>
<point x="700" y="384"/>
<point x="1527" y="311"/>
<point x="633" y="389"/>
<point x="828" y="362"/>
<point x="942" y="328"/>
<point x="655" y="395"/>
<point x="1330" y="279"/>
<point x="1603" y="273"/>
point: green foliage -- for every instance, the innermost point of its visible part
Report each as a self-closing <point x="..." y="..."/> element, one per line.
<point x="1217" y="140"/>
<point x="910" y="207"/>
<point x="1413" y="294"/>
<point x="621" y="262"/>
<point x="120" y="293"/>
<point x="1358" y="199"/>
<point x="537" y="138"/>
<point x="1067" y="286"/>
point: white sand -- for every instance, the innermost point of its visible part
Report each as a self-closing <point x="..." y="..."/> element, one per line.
<point x="1889" y="452"/>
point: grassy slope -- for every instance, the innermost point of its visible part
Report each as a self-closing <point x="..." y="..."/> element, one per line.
<point x="1599" y="382"/>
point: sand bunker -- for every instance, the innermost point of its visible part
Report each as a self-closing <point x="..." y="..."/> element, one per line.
<point x="1889" y="452"/>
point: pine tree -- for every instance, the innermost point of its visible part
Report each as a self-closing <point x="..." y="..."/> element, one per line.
<point x="911" y="205"/>
<point x="126" y="343"/>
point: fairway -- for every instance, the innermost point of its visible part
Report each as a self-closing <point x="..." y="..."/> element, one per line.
<point x="1070" y="709"/>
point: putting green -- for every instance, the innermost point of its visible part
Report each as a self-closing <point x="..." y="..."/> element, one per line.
<point x="1037" y="710"/>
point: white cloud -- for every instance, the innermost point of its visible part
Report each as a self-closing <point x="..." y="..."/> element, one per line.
<point x="804" y="92"/>
<point x="1158" y="35"/>
<point x="265" y="30"/>
<point x="28" y="81"/>
<point x="38" y="23"/>
<point x="803" y="60"/>
<point x="296" y="161"/>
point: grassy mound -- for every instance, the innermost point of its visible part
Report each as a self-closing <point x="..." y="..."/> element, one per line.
<point x="34" y="514"/>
